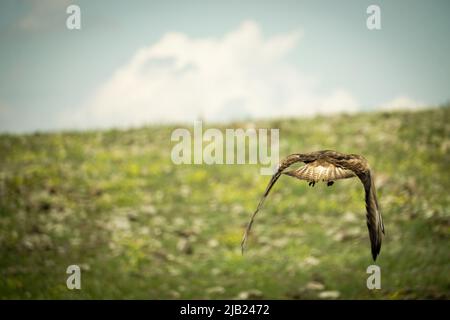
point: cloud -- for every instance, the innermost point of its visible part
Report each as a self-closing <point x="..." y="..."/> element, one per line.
<point x="402" y="103"/>
<point x="242" y="74"/>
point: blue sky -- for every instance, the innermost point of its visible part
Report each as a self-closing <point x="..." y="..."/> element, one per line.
<point x="138" y="62"/>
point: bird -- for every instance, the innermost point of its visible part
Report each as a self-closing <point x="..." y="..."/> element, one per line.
<point x="328" y="166"/>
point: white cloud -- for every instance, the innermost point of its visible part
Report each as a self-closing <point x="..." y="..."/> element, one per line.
<point x="402" y="103"/>
<point x="241" y="74"/>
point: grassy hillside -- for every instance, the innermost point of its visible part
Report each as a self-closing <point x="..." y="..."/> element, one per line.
<point x="141" y="227"/>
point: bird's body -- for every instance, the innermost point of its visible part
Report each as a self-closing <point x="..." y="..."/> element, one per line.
<point x="328" y="166"/>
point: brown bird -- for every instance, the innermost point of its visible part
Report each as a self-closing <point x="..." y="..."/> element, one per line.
<point x="328" y="166"/>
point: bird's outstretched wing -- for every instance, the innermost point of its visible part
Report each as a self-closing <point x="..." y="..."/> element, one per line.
<point x="328" y="166"/>
<point x="284" y="164"/>
<point x="321" y="171"/>
<point x="374" y="219"/>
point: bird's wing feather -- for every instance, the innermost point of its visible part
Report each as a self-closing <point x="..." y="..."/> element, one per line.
<point x="374" y="220"/>
<point x="320" y="171"/>
<point x="284" y="164"/>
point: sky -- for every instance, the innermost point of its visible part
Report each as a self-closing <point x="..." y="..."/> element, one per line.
<point x="140" y="62"/>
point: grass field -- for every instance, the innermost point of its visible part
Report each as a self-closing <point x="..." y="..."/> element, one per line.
<point x="139" y="226"/>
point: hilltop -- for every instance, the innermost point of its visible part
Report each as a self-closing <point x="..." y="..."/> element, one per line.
<point x="141" y="227"/>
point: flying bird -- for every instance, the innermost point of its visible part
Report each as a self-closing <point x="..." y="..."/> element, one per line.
<point x="328" y="166"/>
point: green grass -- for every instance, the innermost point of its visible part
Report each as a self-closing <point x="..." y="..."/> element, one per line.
<point x="142" y="227"/>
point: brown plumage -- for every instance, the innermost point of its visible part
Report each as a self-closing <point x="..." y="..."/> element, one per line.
<point x="328" y="166"/>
